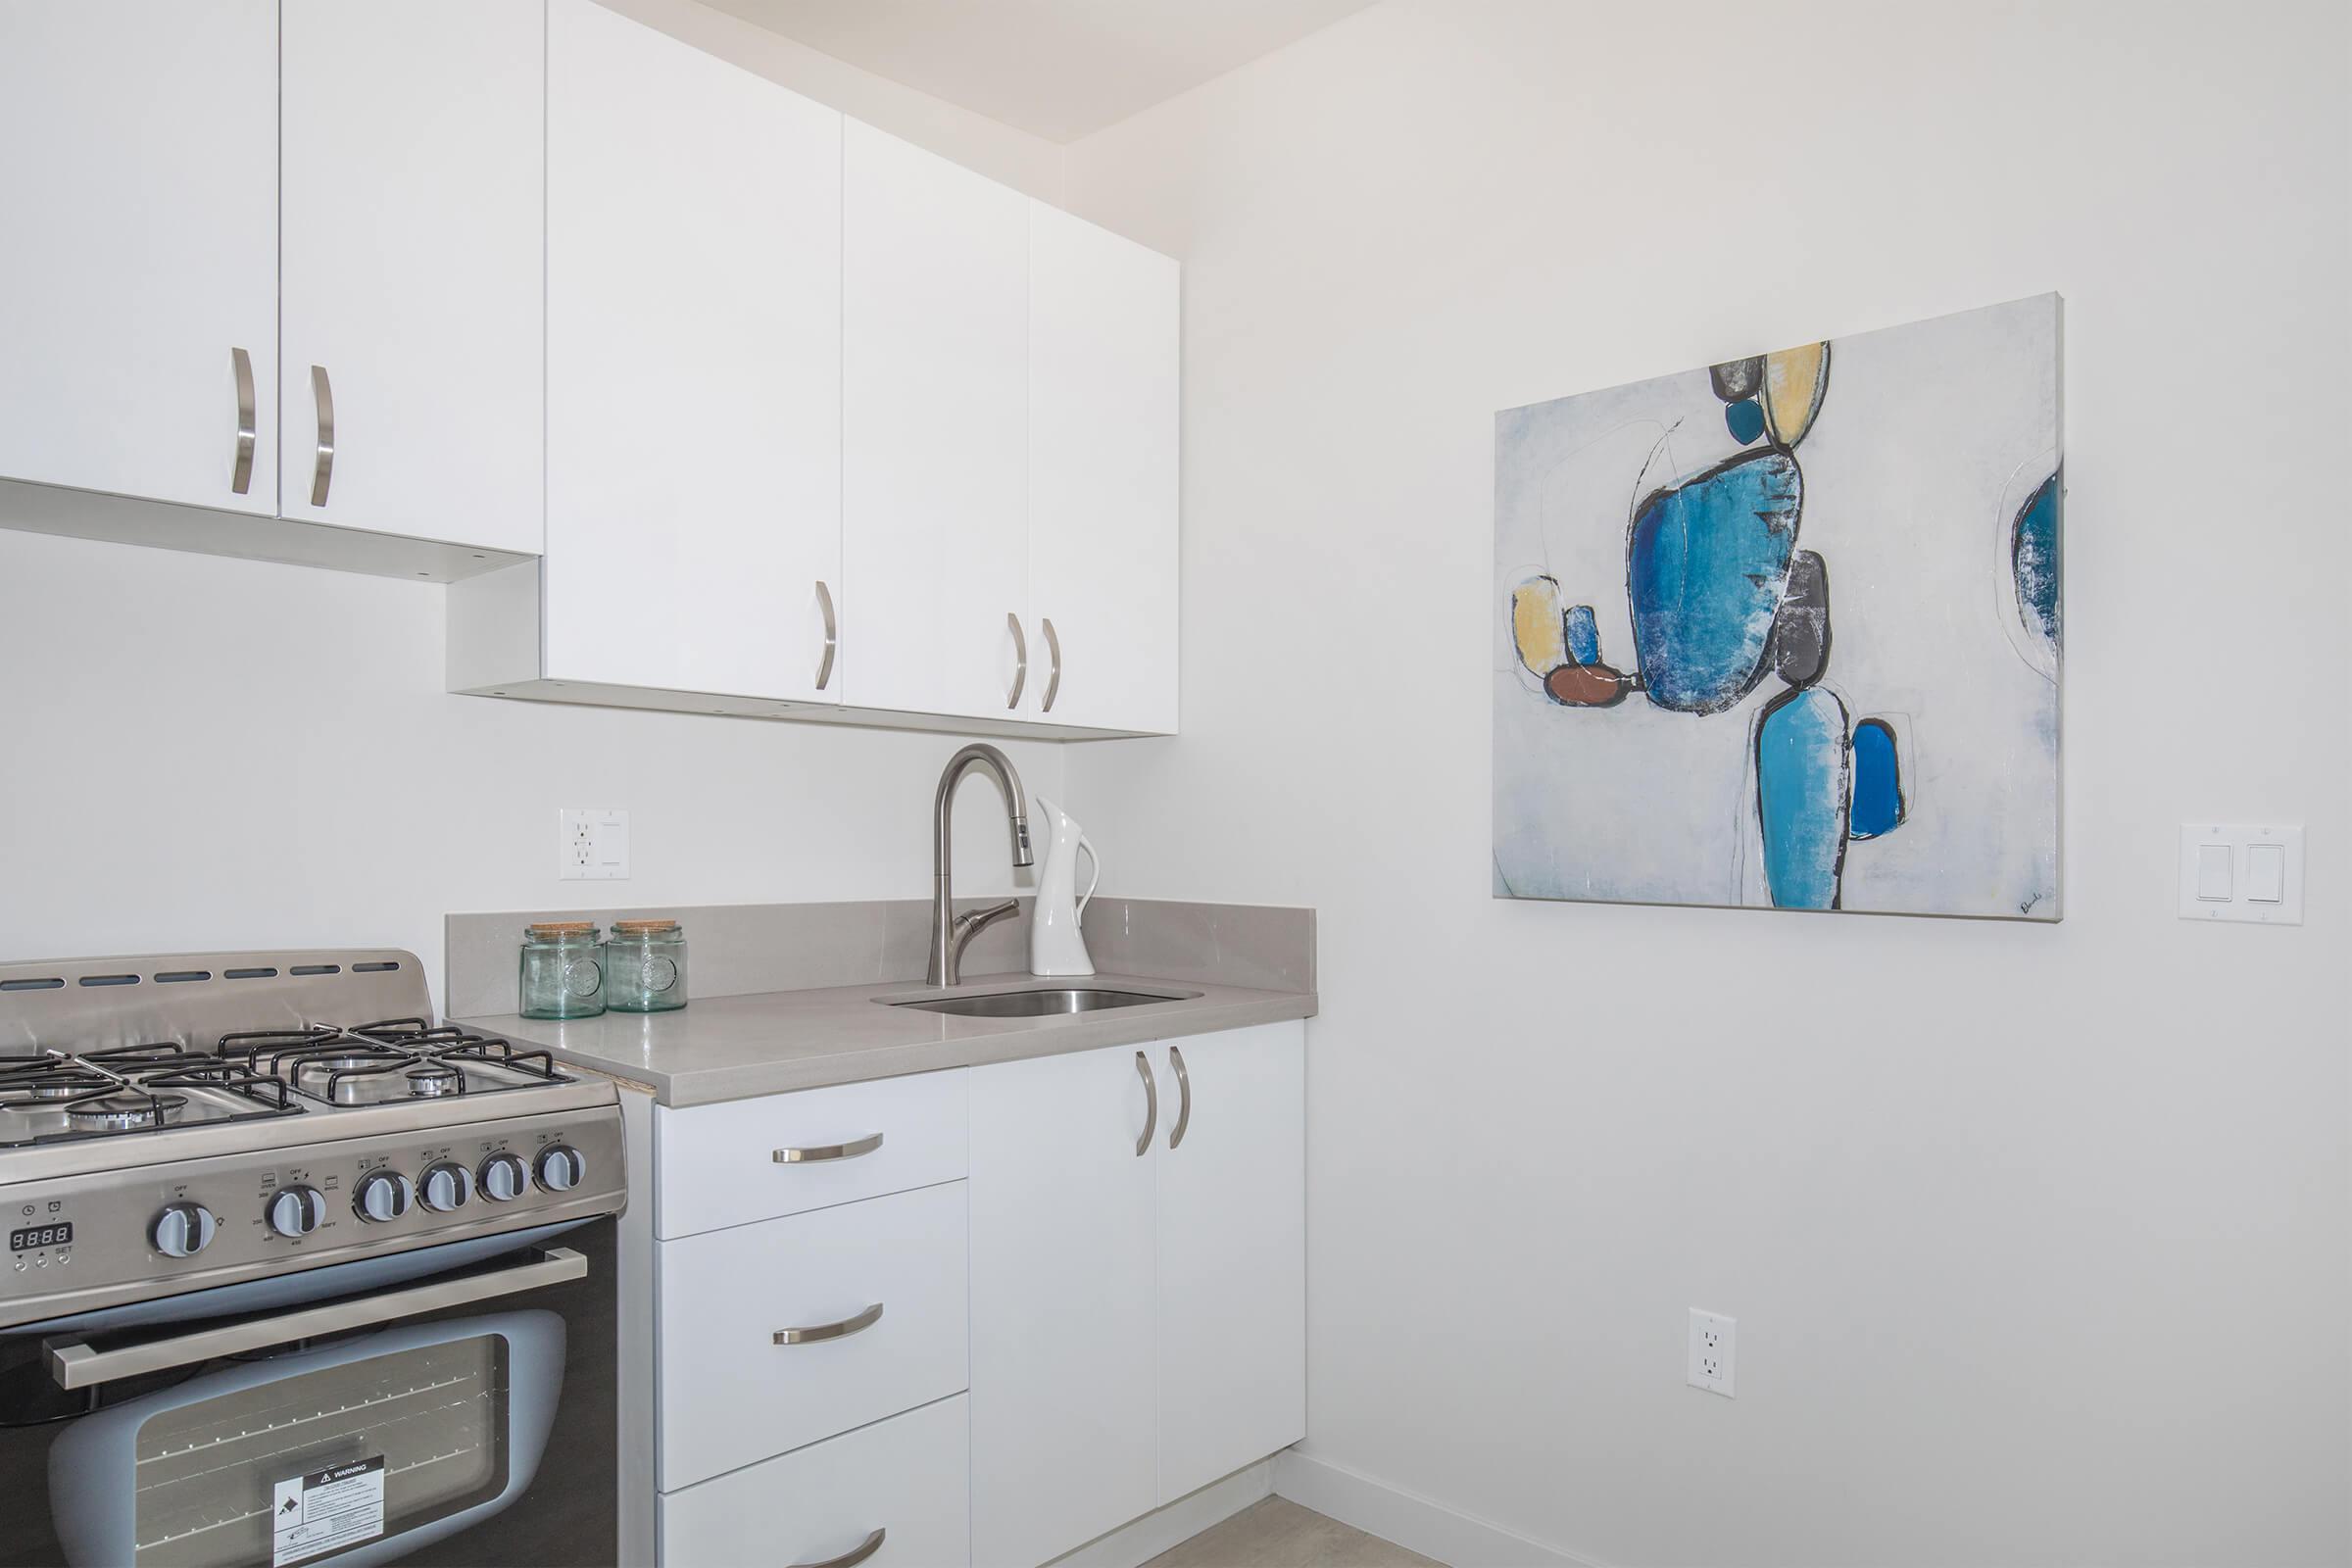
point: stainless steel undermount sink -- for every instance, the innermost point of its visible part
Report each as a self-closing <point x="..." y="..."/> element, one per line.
<point x="1033" y="1004"/>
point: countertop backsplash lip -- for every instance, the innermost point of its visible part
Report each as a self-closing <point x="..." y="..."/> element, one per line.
<point x="754" y="948"/>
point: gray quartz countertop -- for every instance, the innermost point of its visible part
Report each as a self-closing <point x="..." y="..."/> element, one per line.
<point x="769" y="1043"/>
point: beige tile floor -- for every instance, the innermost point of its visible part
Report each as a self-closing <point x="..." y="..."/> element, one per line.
<point x="1276" y="1533"/>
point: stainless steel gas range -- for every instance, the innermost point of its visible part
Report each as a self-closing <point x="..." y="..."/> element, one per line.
<point x="295" y="1275"/>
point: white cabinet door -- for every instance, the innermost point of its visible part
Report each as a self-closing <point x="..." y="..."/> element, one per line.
<point x="1231" y="1254"/>
<point x="692" y="369"/>
<point x="1063" y="1297"/>
<point x="138" y="280"/>
<point x="411" y="305"/>
<point x="934" y="451"/>
<point x="1103" y="419"/>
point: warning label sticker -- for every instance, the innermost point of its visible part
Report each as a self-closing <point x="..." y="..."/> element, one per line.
<point x="327" y="1510"/>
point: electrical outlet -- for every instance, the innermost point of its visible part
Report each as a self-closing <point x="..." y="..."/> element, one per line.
<point x="1714" y="1341"/>
<point x="592" y="844"/>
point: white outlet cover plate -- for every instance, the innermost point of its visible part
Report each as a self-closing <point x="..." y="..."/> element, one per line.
<point x="2240" y="841"/>
<point x="1714" y="1346"/>
<point x="592" y="844"/>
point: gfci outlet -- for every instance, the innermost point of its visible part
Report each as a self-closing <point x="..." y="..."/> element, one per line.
<point x="593" y="844"/>
<point x="1713" y="1343"/>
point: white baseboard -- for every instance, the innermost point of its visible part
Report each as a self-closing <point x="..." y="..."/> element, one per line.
<point x="1414" y="1522"/>
<point x="1134" y="1544"/>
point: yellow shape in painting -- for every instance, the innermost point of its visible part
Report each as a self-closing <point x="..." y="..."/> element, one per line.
<point x="1794" y="380"/>
<point x="1538" y="627"/>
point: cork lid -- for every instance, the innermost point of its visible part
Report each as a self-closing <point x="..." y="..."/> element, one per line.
<point x="642" y="928"/>
<point x="561" y="928"/>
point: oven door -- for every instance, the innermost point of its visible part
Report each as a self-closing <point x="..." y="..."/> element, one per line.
<point x="465" y="1417"/>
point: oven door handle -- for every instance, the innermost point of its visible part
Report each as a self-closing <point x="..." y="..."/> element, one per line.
<point x="75" y="1364"/>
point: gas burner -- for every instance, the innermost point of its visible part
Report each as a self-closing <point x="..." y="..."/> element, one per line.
<point x="433" y="1079"/>
<point x="125" y="1110"/>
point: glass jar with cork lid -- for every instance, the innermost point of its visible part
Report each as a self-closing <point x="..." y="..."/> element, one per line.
<point x="645" y="966"/>
<point x="563" y="970"/>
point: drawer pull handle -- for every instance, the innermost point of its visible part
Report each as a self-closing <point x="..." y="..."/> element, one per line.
<point x="832" y="1331"/>
<point x="825" y="601"/>
<point x="823" y="1152"/>
<point x="1143" y="1144"/>
<point x="854" y="1557"/>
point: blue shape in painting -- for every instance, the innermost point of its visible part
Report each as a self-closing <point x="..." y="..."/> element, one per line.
<point x="1583" y="635"/>
<point x="1802" y="798"/>
<point x="1878" y="782"/>
<point x="2033" y="557"/>
<point x="1745" y="420"/>
<point x="1705" y="570"/>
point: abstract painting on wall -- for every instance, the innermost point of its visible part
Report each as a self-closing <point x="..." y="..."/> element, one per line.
<point x="1784" y="631"/>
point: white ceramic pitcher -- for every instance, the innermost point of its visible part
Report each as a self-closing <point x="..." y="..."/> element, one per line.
<point x="1055" y="944"/>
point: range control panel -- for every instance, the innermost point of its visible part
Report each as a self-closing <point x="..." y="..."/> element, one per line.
<point x="146" y="1231"/>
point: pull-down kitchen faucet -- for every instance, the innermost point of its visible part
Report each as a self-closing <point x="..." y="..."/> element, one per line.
<point x="950" y="931"/>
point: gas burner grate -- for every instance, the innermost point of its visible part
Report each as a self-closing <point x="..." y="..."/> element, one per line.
<point x="57" y="1097"/>
<point x="355" y="1064"/>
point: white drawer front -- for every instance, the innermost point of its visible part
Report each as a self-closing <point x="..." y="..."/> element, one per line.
<point x="905" y="1477"/>
<point x="718" y="1164"/>
<point x="730" y="1395"/>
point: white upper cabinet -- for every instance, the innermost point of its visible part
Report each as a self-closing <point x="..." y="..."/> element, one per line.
<point x="1102" y="415"/>
<point x="935" y="348"/>
<point x="694" y="364"/>
<point x="138" y="280"/>
<point x="413" y="176"/>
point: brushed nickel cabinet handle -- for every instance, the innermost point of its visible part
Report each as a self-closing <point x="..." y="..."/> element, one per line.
<point x="832" y="1331"/>
<point x="1184" y="1096"/>
<point x="1143" y="1144"/>
<point x="1020" y="652"/>
<point x="824" y="602"/>
<point x="1052" y="648"/>
<point x="240" y="479"/>
<point x="854" y="1557"/>
<point x="823" y="1152"/>
<point x="322" y="470"/>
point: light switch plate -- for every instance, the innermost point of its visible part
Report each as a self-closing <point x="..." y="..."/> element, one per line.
<point x="592" y="844"/>
<point x="2263" y="880"/>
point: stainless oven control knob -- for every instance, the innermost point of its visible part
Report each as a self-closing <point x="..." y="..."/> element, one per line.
<point x="445" y="1185"/>
<point x="382" y="1195"/>
<point x="296" y="1210"/>
<point x="182" y="1230"/>
<point x="560" y="1168"/>
<point x="504" y="1178"/>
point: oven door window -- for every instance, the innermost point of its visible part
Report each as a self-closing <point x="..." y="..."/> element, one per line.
<point x="220" y="1480"/>
<point x="389" y="1440"/>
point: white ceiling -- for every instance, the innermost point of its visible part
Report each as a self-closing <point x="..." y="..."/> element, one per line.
<point x="1056" y="69"/>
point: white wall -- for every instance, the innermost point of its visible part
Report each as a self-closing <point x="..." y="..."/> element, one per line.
<point x="202" y="753"/>
<point x="2038" y="1237"/>
<point x="1027" y="163"/>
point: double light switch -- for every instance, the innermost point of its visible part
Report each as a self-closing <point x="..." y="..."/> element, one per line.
<point x="2231" y="872"/>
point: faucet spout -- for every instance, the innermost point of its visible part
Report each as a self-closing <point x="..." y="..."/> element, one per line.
<point x="949" y="933"/>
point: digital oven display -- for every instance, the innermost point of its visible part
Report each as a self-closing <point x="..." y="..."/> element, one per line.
<point x="32" y="1235"/>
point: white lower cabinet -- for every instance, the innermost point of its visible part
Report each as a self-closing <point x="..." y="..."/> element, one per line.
<point x="1139" y="1299"/>
<point x="900" y="1486"/>
<point x="1093" y="1306"/>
